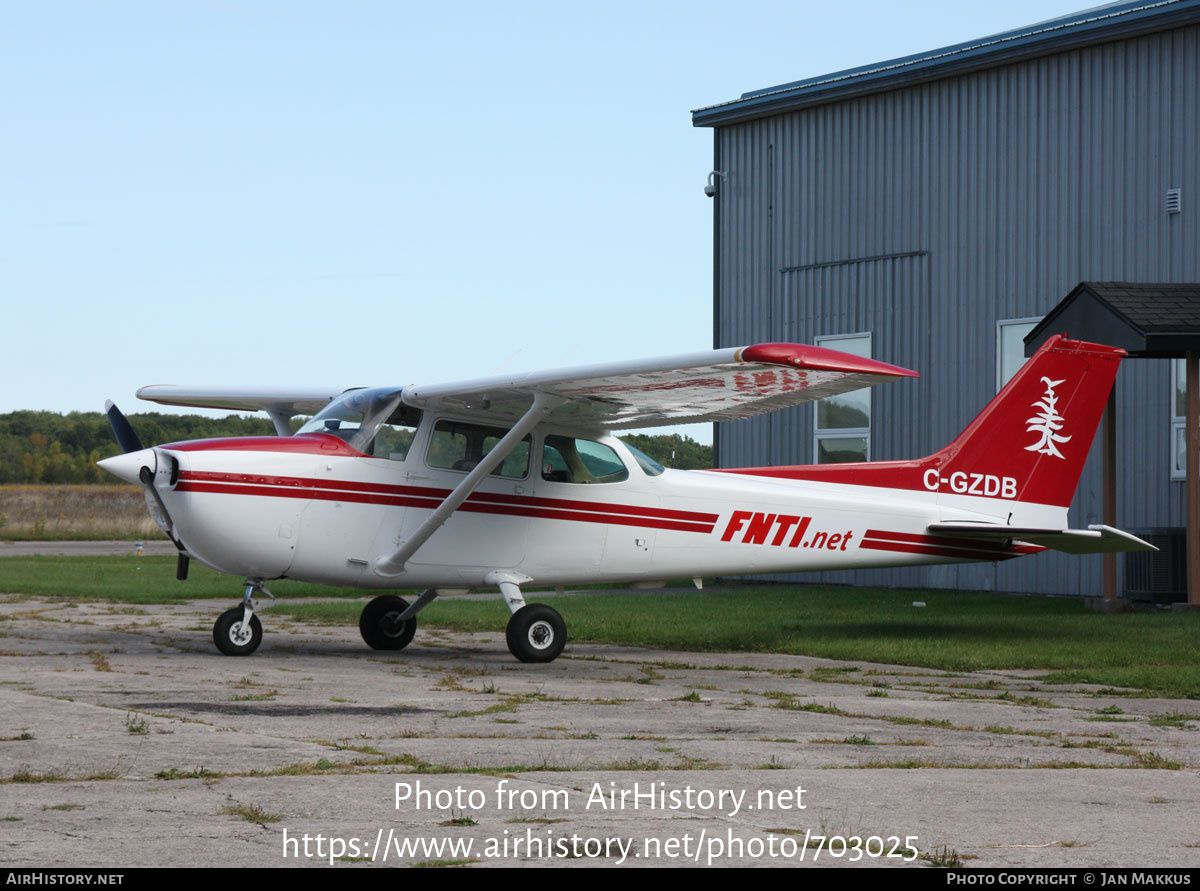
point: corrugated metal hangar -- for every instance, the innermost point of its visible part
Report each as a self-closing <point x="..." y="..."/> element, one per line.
<point x="928" y="211"/>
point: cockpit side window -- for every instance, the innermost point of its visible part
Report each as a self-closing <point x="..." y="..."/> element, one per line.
<point x="458" y="445"/>
<point x="395" y="435"/>
<point x="567" y="459"/>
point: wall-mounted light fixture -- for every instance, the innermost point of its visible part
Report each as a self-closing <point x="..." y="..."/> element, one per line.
<point x="711" y="188"/>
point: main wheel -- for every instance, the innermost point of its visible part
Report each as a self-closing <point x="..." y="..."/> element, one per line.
<point x="536" y="633"/>
<point x="233" y="637"/>
<point x="380" y="625"/>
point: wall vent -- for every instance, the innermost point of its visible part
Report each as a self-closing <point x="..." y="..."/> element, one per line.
<point x="1158" y="576"/>
<point x="1174" y="201"/>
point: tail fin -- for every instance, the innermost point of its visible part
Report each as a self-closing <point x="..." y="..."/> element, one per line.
<point x="1027" y="446"/>
<point x="1030" y="443"/>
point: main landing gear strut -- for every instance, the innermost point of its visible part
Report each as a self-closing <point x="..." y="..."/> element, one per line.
<point x="535" y="632"/>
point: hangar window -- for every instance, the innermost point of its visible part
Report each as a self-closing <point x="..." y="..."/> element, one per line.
<point x="1010" y="347"/>
<point x="842" y="431"/>
<point x="1179" y="420"/>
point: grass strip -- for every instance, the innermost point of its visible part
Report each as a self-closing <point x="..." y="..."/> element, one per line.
<point x="1156" y="652"/>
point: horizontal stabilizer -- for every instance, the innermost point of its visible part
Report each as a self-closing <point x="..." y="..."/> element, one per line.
<point x="1092" y="540"/>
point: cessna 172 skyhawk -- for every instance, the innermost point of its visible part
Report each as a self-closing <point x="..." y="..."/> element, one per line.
<point x="514" y="481"/>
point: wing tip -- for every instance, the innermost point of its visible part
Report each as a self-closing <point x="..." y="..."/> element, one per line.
<point x="798" y="355"/>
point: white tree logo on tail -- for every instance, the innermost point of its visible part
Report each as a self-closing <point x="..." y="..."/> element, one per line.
<point x="1048" y="423"/>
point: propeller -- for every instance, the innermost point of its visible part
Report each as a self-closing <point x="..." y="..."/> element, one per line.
<point x="124" y="467"/>
<point x="126" y="438"/>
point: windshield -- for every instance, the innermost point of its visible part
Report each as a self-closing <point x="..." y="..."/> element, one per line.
<point x="355" y="416"/>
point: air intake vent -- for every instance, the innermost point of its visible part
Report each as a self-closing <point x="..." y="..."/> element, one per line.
<point x="1174" y="201"/>
<point x="1158" y="576"/>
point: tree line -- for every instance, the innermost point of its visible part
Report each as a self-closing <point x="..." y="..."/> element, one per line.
<point x="673" y="450"/>
<point x="47" y="447"/>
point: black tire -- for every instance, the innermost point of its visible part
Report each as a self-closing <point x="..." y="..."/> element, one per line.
<point x="536" y="633"/>
<point x="379" y="627"/>
<point x="229" y="636"/>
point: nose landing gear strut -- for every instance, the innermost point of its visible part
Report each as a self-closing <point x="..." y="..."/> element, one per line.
<point x="237" y="631"/>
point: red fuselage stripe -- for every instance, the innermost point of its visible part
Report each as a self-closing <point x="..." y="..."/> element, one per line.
<point x="429" y="498"/>
<point x="930" y="551"/>
<point x="308" y="485"/>
<point x="592" y="516"/>
<point x="322" y="444"/>
<point x="941" y="546"/>
<point x="944" y="541"/>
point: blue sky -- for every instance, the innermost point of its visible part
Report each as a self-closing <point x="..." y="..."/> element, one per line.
<point x="370" y="193"/>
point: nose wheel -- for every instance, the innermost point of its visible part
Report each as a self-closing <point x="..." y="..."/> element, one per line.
<point x="237" y="631"/>
<point x="235" y="635"/>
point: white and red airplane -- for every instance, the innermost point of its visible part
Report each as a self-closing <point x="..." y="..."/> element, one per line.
<point x="518" y="481"/>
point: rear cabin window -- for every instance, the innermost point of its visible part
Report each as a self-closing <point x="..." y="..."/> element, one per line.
<point x="649" y="466"/>
<point x="566" y="459"/>
<point x="456" y="445"/>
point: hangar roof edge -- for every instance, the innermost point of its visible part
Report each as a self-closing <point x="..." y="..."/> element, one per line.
<point x="1095" y="25"/>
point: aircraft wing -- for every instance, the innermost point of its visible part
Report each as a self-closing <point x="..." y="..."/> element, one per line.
<point x="721" y="385"/>
<point x="275" y="400"/>
<point x="1096" y="539"/>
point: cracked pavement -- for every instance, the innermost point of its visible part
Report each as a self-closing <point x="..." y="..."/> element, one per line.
<point x="127" y="740"/>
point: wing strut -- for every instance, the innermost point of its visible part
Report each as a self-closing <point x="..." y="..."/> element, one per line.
<point x="393" y="564"/>
<point x="282" y="421"/>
